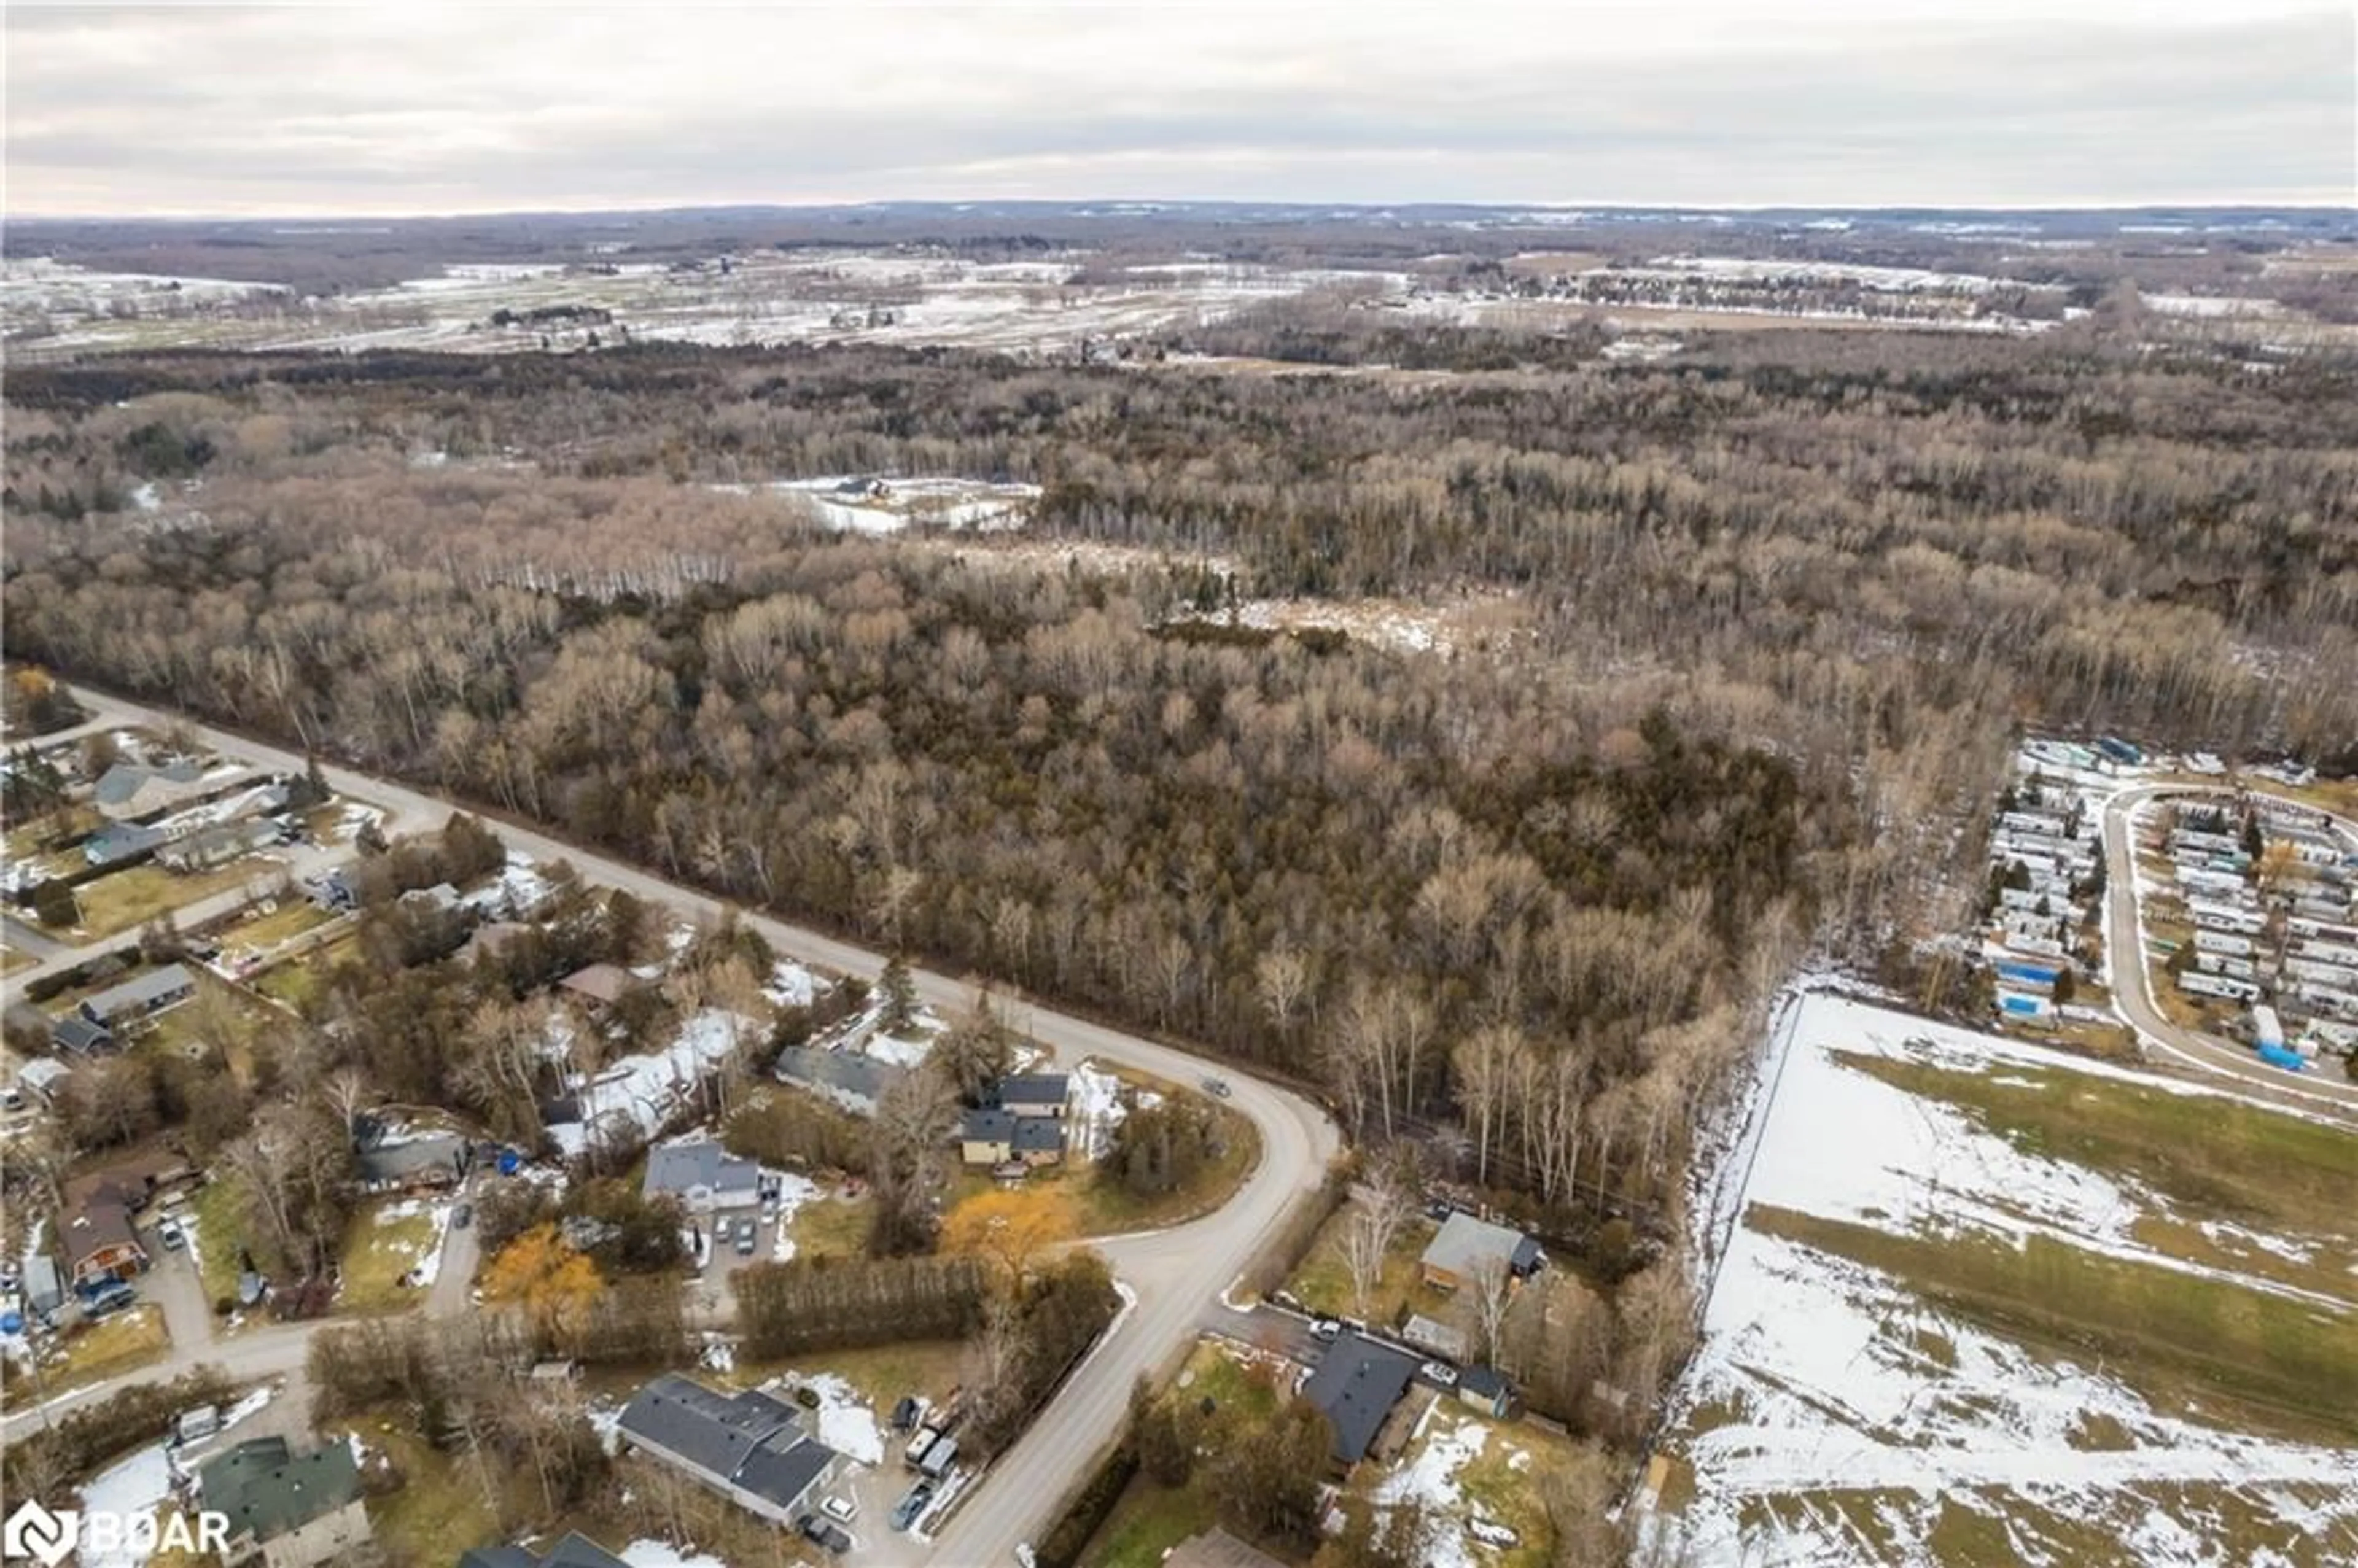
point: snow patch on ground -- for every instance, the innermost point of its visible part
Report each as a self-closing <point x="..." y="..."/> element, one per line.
<point x="845" y="1422"/>
<point x="793" y="1191"/>
<point x="129" y="1489"/>
<point x="1096" y="1108"/>
<point x="1821" y="1373"/>
<point x="662" y="1554"/>
<point x="1432" y="1479"/>
<point x="791" y="985"/>
<point x="636" y="1094"/>
<point x="426" y="1260"/>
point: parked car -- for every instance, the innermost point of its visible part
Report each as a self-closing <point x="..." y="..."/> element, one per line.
<point x="1327" y="1330"/>
<point x="462" y="1217"/>
<point x="1439" y="1210"/>
<point x="824" y="1535"/>
<point x="905" y="1511"/>
<point x="171" y="1236"/>
<point x="905" y="1413"/>
<point x="1216" y="1087"/>
<point x="744" y="1238"/>
<point x="1441" y="1373"/>
<point x="108" y="1300"/>
<point x="842" y="1509"/>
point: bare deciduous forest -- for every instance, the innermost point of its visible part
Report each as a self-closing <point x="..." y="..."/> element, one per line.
<point x="1762" y="622"/>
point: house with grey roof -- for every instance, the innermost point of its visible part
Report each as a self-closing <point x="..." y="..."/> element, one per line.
<point x="703" y="1176"/>
<point x="748" y="1447"/>
<point x="412" y="1160"/>
<point x="1356" y="1383"/>
<point x="989" y="1136"/>
<point x="120" y="843"/>
<point x="211" y="847"/>
<point x="1030" y="1094"/>
<point x="140" y="996"/>
<point x="128" y="790"/>
<point x="78" y="1036"/>
<point x="846" y="1078"/>
<point x="575" y="1549"/>
<point x="1468" y="1244"/>
<point x="289" y="1509"/>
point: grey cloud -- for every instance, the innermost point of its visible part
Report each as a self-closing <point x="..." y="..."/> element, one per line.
<point x="380" y="111"/>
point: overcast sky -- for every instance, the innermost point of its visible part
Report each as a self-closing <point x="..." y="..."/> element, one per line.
<point x="398" y="109"/>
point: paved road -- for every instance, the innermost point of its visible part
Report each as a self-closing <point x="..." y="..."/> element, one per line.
<point x="1176" y="1275"/>
<point x="2132" y="977"/>
<point x="31" y="940"/>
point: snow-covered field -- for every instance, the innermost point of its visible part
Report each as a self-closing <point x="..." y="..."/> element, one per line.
<point x="914" y="298"/>
<point x="1834" y="1415"/>
<point x="851" y="504"/>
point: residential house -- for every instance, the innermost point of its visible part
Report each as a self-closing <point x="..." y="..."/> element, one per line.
<point x="748" y="1447"/>
<point x="211" y="847"/>
<point x="120" y="843"/>
<point x="1356" y="1383"/>
<point x="410" y="1160"/>
<point x="601" y="985"/>
<point x="78" y="1036"/>
<point x="128" y="790"/>
<point x="1216" y="1548"/>
<point x="290" y="1509"/>
<point x="1000" y="1137"/>
<point x="1030" y="1094"/>
<point x="846" y="1078"/>
<point x="100" y="1243"/>
<point x="140" y="996"/>
<point x="1467" y="1244"/>
<point x="703" y="1176"/>
<point x="575" y="1549"/>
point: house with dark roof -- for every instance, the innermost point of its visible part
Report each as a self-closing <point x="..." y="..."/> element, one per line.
<point x="1356" y="1383"/>
<point x="748" y="1447"/>
<point x="1030" y="1094"/>
<point x="573" y="1550"/>
<point x="412" y="1160"/>
<point x="703" y="1176"/>
<point x="100" y="1243"/>
<point x="1468" y="1244"/>
<point x="1487" y="1390"/>
<point x="990" y="1137"/>
<point x="140" y="996"/>
<point x="78" y="1036"/>
<point x="845" y="1078"/>
<point x="289" y="1509"/>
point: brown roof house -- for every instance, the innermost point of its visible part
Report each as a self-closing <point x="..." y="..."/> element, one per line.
<point x="601" y="985"/>
<point x="100" y="1243"/>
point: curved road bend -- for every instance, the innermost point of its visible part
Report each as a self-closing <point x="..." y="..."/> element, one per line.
<point x="1178" y="1275"/>
<point x="2133" y="981"/>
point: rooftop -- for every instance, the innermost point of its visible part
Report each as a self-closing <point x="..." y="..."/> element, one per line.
<point x="1024" y="1134"/>
<point x="265" y="1488"/>
<point x="679" y="1168"/>
<point x="713" y="1432"/>
<point x="1466" y="1242"/>
<point x="142" y="990"/>
<point x="1356" y="1383"/>
<point x="1030" y="1088"/>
